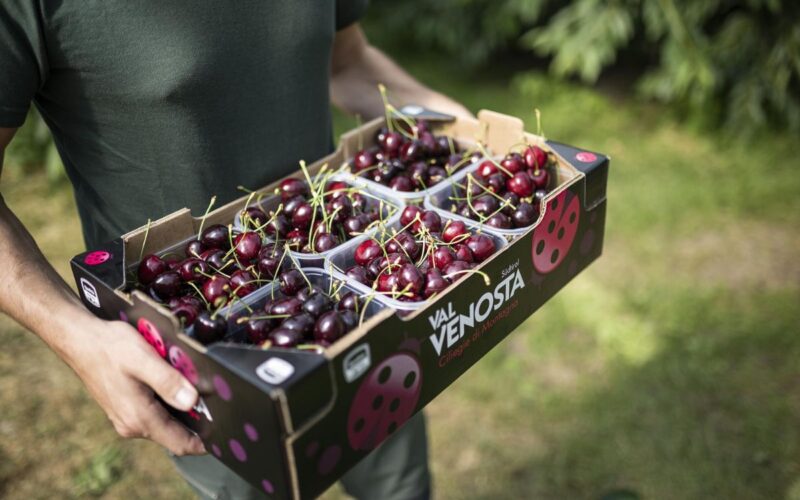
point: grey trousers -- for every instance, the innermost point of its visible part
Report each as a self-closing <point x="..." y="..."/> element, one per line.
<point x="396" y="470"/>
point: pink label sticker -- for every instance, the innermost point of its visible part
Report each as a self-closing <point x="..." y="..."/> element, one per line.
<point x="586" y="157"/>
<point x="96" y="258"/>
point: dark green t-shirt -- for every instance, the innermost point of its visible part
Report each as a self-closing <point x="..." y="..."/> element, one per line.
<point x="158" y="105"/>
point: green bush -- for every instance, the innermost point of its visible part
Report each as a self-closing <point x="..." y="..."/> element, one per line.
<point x="726" y="62"/>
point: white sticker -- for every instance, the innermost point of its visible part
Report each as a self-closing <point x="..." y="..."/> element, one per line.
<point x="357" y="362"/>
<point x="275" y="371"/>
<point x="412" y="109"/>
<point x="90" y="293"/>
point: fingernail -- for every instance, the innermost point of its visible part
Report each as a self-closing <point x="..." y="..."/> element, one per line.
<point x="186" y="397"/>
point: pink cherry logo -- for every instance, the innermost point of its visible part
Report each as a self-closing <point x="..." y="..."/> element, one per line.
<point x="152" y="336"/>
<point x="183" y="363"/>
<point x="586" y="157"/>
<point x="96" y="258"/>
<point x="553" y="237"/>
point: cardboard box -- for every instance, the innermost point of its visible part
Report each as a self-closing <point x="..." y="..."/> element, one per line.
<point x="292" y="422"/>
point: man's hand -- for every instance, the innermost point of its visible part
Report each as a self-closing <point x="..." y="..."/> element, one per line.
<point x="356" y="70"/>
<point x="118" y="367"/>
<point x="122" y="371"/>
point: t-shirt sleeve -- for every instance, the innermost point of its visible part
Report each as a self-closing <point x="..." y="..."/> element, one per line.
<point x="23" y="66"/>
<point x="349" y="11"/>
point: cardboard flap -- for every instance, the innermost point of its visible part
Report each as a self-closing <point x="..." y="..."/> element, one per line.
<point x="502" y="131"/>
<point x="162" y="233"/>
<point x="593" y="165"/>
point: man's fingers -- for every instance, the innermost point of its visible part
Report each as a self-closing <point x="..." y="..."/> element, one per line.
<point x="169" y="433"/>
<point x="166" y="381"/>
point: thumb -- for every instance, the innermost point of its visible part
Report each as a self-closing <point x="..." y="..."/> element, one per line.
<point x="165" y="380"/>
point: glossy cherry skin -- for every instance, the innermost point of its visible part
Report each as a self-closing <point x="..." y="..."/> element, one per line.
<point x="354" y="226"/>
<point x="364" y="159"/>
<point x="255" y="216"/>
<point x="482" y="246"/>
<point x="455" y="230"/>
<point x="302" y="216"/>
<point x="208" y="329"/>
<point x="535" y="157"/>
<point x="167" y="285"/>
<point x="278" y="226"/>
<point x="194" y="248"/>
<point x="496" y="183"/>
<point x="487" y="168"/>
<point x="441" y="257"/>
<point x="513" y="163"/>
<point x="349" y="318"/>
<point x="292" y="187"/>
<point x="243" y="283"/>
<point x="388" y="282"/>
<point x="409" y="214"/>
<point x="291" y="282"/>
<point x="485" y="205"/>
<point x="336" y="189"/>
<point x="257" y="330"/>
<point x="290" y="205"/>
<point x="418" y="172"/>
<point x="215" y="236"/>
<point x="216" y="259"/>
<point x="317" y="304"/>
<point x="540" y="178"/>
<point x="247" y="245"/>
<point x="525" y="215"/>
<point x="392" y="143"/>
<point x="216" y="290"/>
<point x="499" y="221"/>
<point x="359" y="274"/>
<point x="539" y="196"/>
<point x="324" y="242"/>
<point x="303" y="323"/>
<point x="393" y="261"/>
<point x="149" y="268"/>
<point x="463" y="253"/>
<point x="186" y="313"/>
<point x="288" y="306"/>
<point x="348" y="302"/>
<point x="521" y="184"/>
<point x="402" y="183"/>
<point x="434" y="283"/>
<point x="430" y="220"/>
<point x="285" y="338"/>
<point x="367" y="251"/>
<point x="306" y="292"/>
<point x="268" y="262"/>
<point x="329" y="327"/>
<point x="436" y="175"/>
<point x="456" y="270"/>
<point x="297" y="239"/>
<point x="194" y="269"/>
<point x="410" y="279"/>
<point x="511" y="202"/>
<point x="411" y="151"/>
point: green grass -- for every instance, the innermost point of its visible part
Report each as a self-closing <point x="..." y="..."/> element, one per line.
<point x="670" y="367"/>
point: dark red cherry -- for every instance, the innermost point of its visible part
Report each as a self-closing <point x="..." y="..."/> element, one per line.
<point x="402" y="183"/>
<point x="268" y="262"/>
<point x="186" y="313"/>
<point x="392" y="143"/>
<point x="336" y="189"/>
<point x="215" y="236"/>
<point x="216" y="259"/>
<point x="194" y="248"/>
<point x="278" y="226"/>
<point x="285" y="338"/>
<point x="409" y="214"/>
<point x="456" y="270"/>
<point x="436" y="175"/>
<point x="441" y="257"/>
<point x="464" y="253"/>
<point x="380" y="136"/>
<point x="540" y="178"/>
<point x="481" y="245"/>
<point x="290" y="205"/>
<point x="487" y="168"/>
<point x="499" y="221"/>
<point x="364" y="159"/>
<point x="496" y="182"/>
<point x="317" y="304"/>
<point x="434" y="283"/>
<point x="455" y="230"/>
<point x="511" y="202"/>
<point x="374" y="268"/>
<point x="194" y="270"/>
<point x="388" y="282"/>
<point x="324" y="242"/>
<point x="288" y="306"/>
<point x="149" y="268"/>
<point x="255" y="216"/>
<point x="291" y="187"/>
<point x="305" y="293"/>
<point x="354" y="226"/>
<point x="359" y="274"/>
<point x="393" y="261"/>
<point x="411" y="151"/>
<point x="535" y="157"/>
<point x="410" y="279"/>
<point x="349" y="302"/>
<point x="525" y="215"/>
<point x="329" y="327"/>
<point x="167" y="285"/>
<point x="418" y="172"/>
<point x="291" y="281"/>
<point x="539" y="196"/>
<point x="430" y="220"/>
<point x="513" y="163"/>
<point x="297" y="239"/>
<point x="349" y="318"/>
<point x="521" y="184"/>
<point x="405" y="244"/>
<point x="302" y="216"/>
<point x="243" y="283"/>
<point x="208" y="329"/>
<point x="247" y="245"/>
<point x="303" y="323"/>
<point x="485" y="205"/>
<point x="257" y="330"/>
<point x="216" y="290"/>
<point x="367" y="251"/>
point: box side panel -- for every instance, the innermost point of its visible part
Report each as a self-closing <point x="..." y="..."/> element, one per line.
<point x="401" y="366"/>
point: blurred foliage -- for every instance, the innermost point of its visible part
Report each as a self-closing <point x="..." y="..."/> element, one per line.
<point x="103" y="470"/>
<point x="33" y="148"/>
<point x="732" y="63"/>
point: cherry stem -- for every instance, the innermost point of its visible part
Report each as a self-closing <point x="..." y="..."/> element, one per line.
<point x="203" y="219"/>
<point x="144" y="241"/>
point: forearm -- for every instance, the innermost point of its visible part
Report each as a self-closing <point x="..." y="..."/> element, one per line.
<point x="32" y="292"/>
<point x="357" y="70"/>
